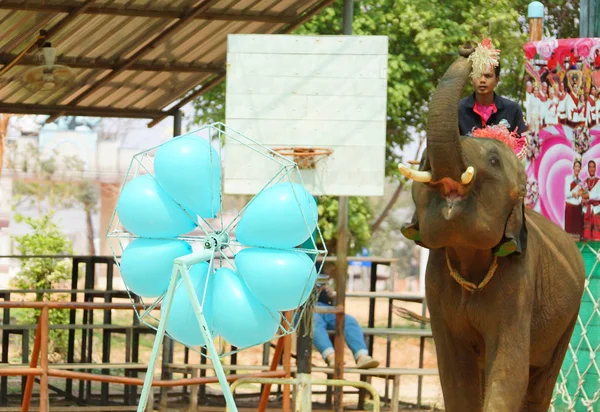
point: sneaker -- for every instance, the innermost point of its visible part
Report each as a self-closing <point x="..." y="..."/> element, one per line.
<point x="330" y="361"/>
<point x="366" y="362"/>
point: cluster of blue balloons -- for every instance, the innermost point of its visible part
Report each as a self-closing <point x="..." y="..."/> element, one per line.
<point x="186" y="185"/>
<point x="240" y="305"/>
<point x="228" y="306"/>
<point x="271" y="275"/>
<point x="243" y="306"/>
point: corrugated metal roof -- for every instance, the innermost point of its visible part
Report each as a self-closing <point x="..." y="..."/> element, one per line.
<point x="130" y="58"/>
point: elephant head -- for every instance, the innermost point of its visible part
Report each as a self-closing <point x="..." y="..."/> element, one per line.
<point x="468" y="192"/>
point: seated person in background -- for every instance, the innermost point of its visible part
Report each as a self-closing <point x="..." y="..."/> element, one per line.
<point x="353" y="334"/>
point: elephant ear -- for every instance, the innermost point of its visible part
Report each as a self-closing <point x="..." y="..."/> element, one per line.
<point x="515" y="233"/>
<point x="411" y="231"/>
<point x="515" y="230"/>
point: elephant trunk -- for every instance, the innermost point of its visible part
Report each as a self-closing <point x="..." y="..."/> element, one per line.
<point x="443" y="143"/>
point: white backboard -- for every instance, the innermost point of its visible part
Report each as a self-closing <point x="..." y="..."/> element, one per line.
<point x="309" y="91"/>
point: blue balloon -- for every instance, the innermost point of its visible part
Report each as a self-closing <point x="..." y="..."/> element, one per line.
<point x="282" y="216"/>
<point x="182" y="324"/>
<point x="280" y="280"/>
<point x="147" y="264"/>
<point x="189" y="169"/>
<point x="146" y="210"/>
<point x="239" y="317"/>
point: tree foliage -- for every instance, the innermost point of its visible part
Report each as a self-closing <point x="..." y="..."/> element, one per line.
<point x="423" y="40"/>
<point x="44" y="239"/>
<point x="359" y="216"/>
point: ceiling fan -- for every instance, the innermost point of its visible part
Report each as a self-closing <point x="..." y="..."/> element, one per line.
<point x="48" y="76"/>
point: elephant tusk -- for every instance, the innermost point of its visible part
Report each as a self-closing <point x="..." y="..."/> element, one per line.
<point x="467" y="176"/>
<point x="416" y="175"/>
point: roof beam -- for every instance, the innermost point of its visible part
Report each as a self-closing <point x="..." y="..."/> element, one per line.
<point x="64" y="22"/>
<point x="18" y="108"/>
<point x="147" y="11"/>
<point x="203" y="89"/>
<point x="150" y="46"/>
<point x="317" y="8"/>
<point x="304" y="17"/>
<point x="107" y="64"/>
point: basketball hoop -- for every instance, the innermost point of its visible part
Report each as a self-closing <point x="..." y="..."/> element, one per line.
<point x="304" y="157"/>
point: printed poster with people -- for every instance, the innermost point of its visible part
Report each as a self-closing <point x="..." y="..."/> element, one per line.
<point x="562" y="111"/>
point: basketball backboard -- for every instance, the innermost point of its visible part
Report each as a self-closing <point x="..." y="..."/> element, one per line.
<point x="326" y="92"/>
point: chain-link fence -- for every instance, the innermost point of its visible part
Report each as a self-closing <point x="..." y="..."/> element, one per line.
<point x="578" y="385"/>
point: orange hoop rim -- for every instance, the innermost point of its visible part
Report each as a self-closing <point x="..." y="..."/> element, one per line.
<point x="303" y="151"/>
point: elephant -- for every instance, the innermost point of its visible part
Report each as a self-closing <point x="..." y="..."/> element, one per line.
<point x="501" y="317"/>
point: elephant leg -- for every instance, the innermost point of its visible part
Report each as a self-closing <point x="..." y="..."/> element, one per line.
<point x="507" y="369"/>
<point x="542" y="380"/>
<point x="459" y="372"/>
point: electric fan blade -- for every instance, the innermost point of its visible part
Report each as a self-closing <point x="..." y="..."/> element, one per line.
<point x="45" y="79"/>
<point x="62" y="74"/>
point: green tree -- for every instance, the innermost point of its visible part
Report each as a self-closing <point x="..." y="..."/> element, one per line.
<point x="41" y="274"/>
<point x="423" y="39"/>
<point x="359" y="216"/>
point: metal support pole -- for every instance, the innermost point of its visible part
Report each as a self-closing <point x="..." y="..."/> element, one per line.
<point x="348" y="16"/>
<point x="160" y="333"/>
<point x="165" y="375"/>
<point x="535" y="14"/>
<point x="177" y="123"/>
<point x="287" y="365"/>
<point x="32" y="364"/>
<point x="44" y="341"/>
<point x="168" y="345"/>
<point x="342" y="256"/>
<point x="589" y="11"/>
<point x="304" y="351"/>
<point x="266" y="389"/>
<point x="208" y="339"/>
<point x="340" y="283"/>
<point x="304" y="391"/>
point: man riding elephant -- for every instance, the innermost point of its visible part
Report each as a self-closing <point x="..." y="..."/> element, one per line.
<point x="501" y="321"/>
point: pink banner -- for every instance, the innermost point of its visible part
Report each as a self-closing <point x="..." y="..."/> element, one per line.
<point x="562" y="111"/>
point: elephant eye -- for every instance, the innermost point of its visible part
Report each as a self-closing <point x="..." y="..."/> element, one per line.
<point x="494" y="161"/>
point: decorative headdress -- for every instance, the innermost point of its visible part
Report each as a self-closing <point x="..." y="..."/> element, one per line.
<point x="484" y="57"/>
<point x="517" y="143"/>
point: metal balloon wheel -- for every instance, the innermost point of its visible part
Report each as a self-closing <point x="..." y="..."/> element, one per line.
<point x="213" y="276"/>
